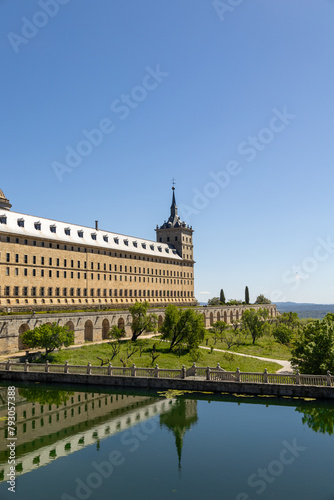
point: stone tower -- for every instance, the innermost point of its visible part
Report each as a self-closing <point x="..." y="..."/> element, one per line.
<point x="4" y="203"/>
<point x="177" y="233"/>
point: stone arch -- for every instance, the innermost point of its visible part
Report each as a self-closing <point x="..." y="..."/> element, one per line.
<point x="211" y="318"/>
<point x="218" y="316"/>
<point x="231" y="317"/>
<point x="105" y="329"/>
<point x="70" y="326"/>
<point x="23" y="328"/>
<point x="160" y="320"/>
<point x="225" y="316"/>
<point x="120" y="323"/>
<point x="237" y="315"/>
<point x="88" y="331"/>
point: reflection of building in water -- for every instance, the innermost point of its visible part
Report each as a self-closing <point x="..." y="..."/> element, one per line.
<point x="46" y="431"/>
<point x="180" y="419"/>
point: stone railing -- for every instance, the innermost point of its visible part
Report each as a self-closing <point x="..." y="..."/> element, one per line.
<point x="206" y="373"/>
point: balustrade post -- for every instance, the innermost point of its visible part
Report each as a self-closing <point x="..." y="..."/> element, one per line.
<point x="89" y="368"/>
<point x="329" y="378"/>
<point x="156" y="371"/>
<point x="184" y="372"/>
<point x="66" y="367"/>
<point x="26" y="366"/>
<point x="265" y="376"/>
<point x="194" y="369"/>
<point x="133" y="370"/>
<point x="109" y="369"/>
<point x="8" y="367"/>
<point x="297" y="377"/>
<point x="208" y="373"/>
<point x="47" y="366"/>
<point x="237" y="374"/>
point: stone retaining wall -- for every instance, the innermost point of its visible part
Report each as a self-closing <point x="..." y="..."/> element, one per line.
<point x="123" y="382"/>
<point x="94" y="326"/>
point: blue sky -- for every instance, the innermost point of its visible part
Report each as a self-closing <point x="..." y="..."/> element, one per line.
<point x="103" y="102"/>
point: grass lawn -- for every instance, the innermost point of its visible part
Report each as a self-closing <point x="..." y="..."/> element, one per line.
<point x="166" y="359"/>
<point x="265" y="346"/>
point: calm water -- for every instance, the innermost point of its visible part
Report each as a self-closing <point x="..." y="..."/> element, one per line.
<point x="73" y="444"/>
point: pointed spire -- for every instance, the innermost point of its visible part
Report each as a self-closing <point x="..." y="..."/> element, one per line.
<point x="173" y="208"/>
<point x="4" y="203"/>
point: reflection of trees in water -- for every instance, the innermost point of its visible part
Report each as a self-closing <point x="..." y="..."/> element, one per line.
<point x="179" y="419"/>
<point x="318" y="419"/>
<point x="45" y="396"/>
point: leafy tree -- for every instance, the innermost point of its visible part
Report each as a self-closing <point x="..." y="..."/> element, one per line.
<point x="213" y="302"/>
<point x="283" y="333"/>
<point x="232" y="337"/>
<point x="234" y="302"/>
<point x="290" y="319"/>
<point x="141" y="321"/>
<point x="318" y="419"/>
<point x="222" y="299"/>
<point x="313" y="352"/>
<point x="45" y="396"/>
<point x="218" y="327"/>
<point x="261" y="299"/>
<point x="246" y="295"/>
<point x="182" y="326"/>
<point x="254" y="322"/>
<point x="116" y="333"/>
<point x="48" y="337"/>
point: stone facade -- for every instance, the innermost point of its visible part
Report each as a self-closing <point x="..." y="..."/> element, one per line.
<point x="48" y="265"/>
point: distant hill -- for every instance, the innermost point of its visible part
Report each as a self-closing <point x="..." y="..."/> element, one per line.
<point x="305" y="310"/>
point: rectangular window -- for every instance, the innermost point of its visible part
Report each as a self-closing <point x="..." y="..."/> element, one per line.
<point x="7" y="257"/>
<point x="50" y="261"/>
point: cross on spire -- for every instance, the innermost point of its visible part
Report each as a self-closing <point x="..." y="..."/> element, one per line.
<point x="173" y="182"/>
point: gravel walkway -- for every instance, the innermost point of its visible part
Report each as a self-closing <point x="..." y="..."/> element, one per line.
<point x="286" y="365"/>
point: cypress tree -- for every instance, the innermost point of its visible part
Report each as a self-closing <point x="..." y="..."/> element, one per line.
<point x="222" y="297"/>
<point x="246" y="295"/>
